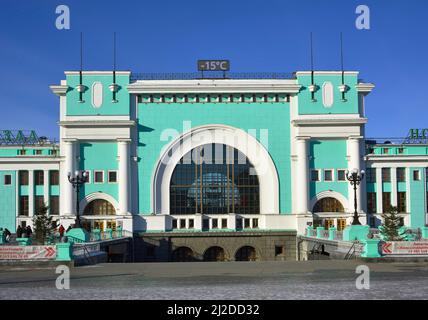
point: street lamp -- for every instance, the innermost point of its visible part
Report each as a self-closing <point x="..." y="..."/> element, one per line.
<point x="77" y="180"/>
<point x="354" y="177"/>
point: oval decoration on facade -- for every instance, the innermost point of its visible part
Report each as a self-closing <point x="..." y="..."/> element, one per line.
<point x="327" y="94"/>
<point x="97" y="94"/>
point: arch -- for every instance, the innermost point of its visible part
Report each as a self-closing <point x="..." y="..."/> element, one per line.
<point x="330" y="194"/>
<point x="215" y="253"/>
<point x="183" y="254"/>
<point x="221" y="134"/>
<point x="246" y="253"/>
<point x="97" y="196"/>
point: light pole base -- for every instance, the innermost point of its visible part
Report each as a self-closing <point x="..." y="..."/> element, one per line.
<point x="78" y="235"/>
<point x="355" y="232"/>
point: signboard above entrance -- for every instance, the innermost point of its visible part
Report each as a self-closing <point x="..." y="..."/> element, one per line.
<point x="417" y="136"/>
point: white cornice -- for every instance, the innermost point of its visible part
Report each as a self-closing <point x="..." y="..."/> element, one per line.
<point x="100" y="123"/>
<point x="365" y="88"/>
<point x="29" y="159"/>
<point x="331" y="121"/>
<point x="214" y="86"/>
<point x="387" y="158"/>
<point x="59" y="90"/>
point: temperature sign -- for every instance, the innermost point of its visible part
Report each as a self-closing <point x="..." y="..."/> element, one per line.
<point x="213" y="65"/>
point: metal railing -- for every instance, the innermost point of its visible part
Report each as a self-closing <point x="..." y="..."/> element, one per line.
<point x="211" y="75"/>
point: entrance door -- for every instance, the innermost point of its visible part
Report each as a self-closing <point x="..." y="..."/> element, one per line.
<point x="328" y="223"/>
<point x="111" y="224"/>
<point x="99" y="225"/>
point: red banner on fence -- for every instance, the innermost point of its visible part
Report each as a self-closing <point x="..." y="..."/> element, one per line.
<point x="405" y="247"/>
<point x="27" y="252"/>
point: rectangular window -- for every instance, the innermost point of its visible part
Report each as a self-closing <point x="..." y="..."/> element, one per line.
<point x="53" y="152"/>
<point x="214" y="223"/>
<point x="224" y="223"/>
<point x="182" y="223"/>
<point x="401" y="202"/>
<point x="255" y="223"/>
<point x="39" y="177"/>
<point x="400" y="150"/>
<point x="371" y="175"/>
<point x="174" y="223"/>
<point x="328" y="175"/>
<point x="54" y="205"/>
<point x="112" y="176"/>
<point x="386" y="201"/>
<point x="341" y="175"/>
<point x="279" y="250"/>
<point x="239" y="224"/>
<point x="23" y="205"/>
<point x="191" y="223"/>
<point x="205" y="224"/>
<point x="371" y="202"/>
<point x="39" y="202"/>
<point x="22" y="152"/>
<point x="315" y="175"/>
<point x="247" y="223"/>
<point x="23" y="178"/>
<point x="386" y="174"/>
<point x="385" y="150"/>
<point x="54" y="177"/>
<point x="7" y="180"/>
<point x="416" y="175"/>
<point x="401" y="174"/>
<point x="98" y="176"/>
<point x="38" y="152"/>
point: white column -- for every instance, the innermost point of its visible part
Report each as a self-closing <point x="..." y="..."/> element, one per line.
<point x="46" y="187"/>
<point x="394" y="190"/>
<point x="302" y="175"/>
<point x="379" y="190"/>
<point x="124" y="169"/>
<point x="67" y="192"/>
<point x="30" y="193"/>
<point x="354" y="163"/>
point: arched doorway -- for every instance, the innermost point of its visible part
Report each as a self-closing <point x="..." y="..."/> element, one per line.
<point x="99" y="214"/>
<point x="214" y="179"/>
<point x="328" y="204"/>
<point x="246" y="253"/>
<point x="183" y="254"/>
<point x="214" y="254"/>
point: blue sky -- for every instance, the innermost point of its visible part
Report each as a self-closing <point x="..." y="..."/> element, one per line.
<point x="256" y="36"/>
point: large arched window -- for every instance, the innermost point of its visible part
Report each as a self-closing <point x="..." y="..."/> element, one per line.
<point x="99" y="207"/>
<point x="214" y="179"/>
<point x="328" y="205"/>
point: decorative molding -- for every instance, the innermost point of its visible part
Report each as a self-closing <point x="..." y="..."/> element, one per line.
<point x="101" y="73"/>
<point x="331" y="121"/>
<point x="59" y="90"/>
<point x="98" y="123"/>
<point x="365" y="88"/>
<point x="97" y="196"/>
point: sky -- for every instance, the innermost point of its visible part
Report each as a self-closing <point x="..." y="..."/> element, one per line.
<point x="256" y="36"/>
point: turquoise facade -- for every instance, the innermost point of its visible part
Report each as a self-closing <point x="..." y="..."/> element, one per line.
<point x="8" y="201"/>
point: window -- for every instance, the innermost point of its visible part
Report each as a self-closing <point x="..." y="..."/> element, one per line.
<point x="371" y="202"/>
<point x="205" y="224"/>
<point x="315" y="175"/>
<point x="401" y="174"/>
<point x="39" y="178"/>
<point x="38" y="152"/>
<point x="401" y="202"/>
<point x="385" y="150"/>
<point x="279" y="250"/>
<point x="341" y="175"/>
<point x="98" y="176"/>
<point x="23" y="178"/>
<point x="386" y="175"/>
<point x="255" y="223"/>
<point x="214" y="223"/>
<point x="22" y="152"/>
<point x="112" y="176"/>
<point x="400" y="150"/>
<point x="386" y="201"/>
<point x="54" y="177"/>
<point x="239" y="224"/>
<point x="99" y="207"/>
<point x="191" y="223"/>
<point x="53" y="152"/>
<point x="54" y="205"/>
<point x="88" y="176"/>
<point x="174" y="224"/>
<point x="371" y="175"/>
<point x="416" y="175"/>
<point x="23" y="205"/>
<point x="224" y="223"/>
<point x="247" y="223"/>
<point x="39" y="202"/>
<point x="7" y="180"/>
<point x="182" y="223"/>
<point x="328" y="175"/>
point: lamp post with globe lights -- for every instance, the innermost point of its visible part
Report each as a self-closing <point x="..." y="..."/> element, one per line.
<point x="77" y="179"/>
<point x="354" y="177"/>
